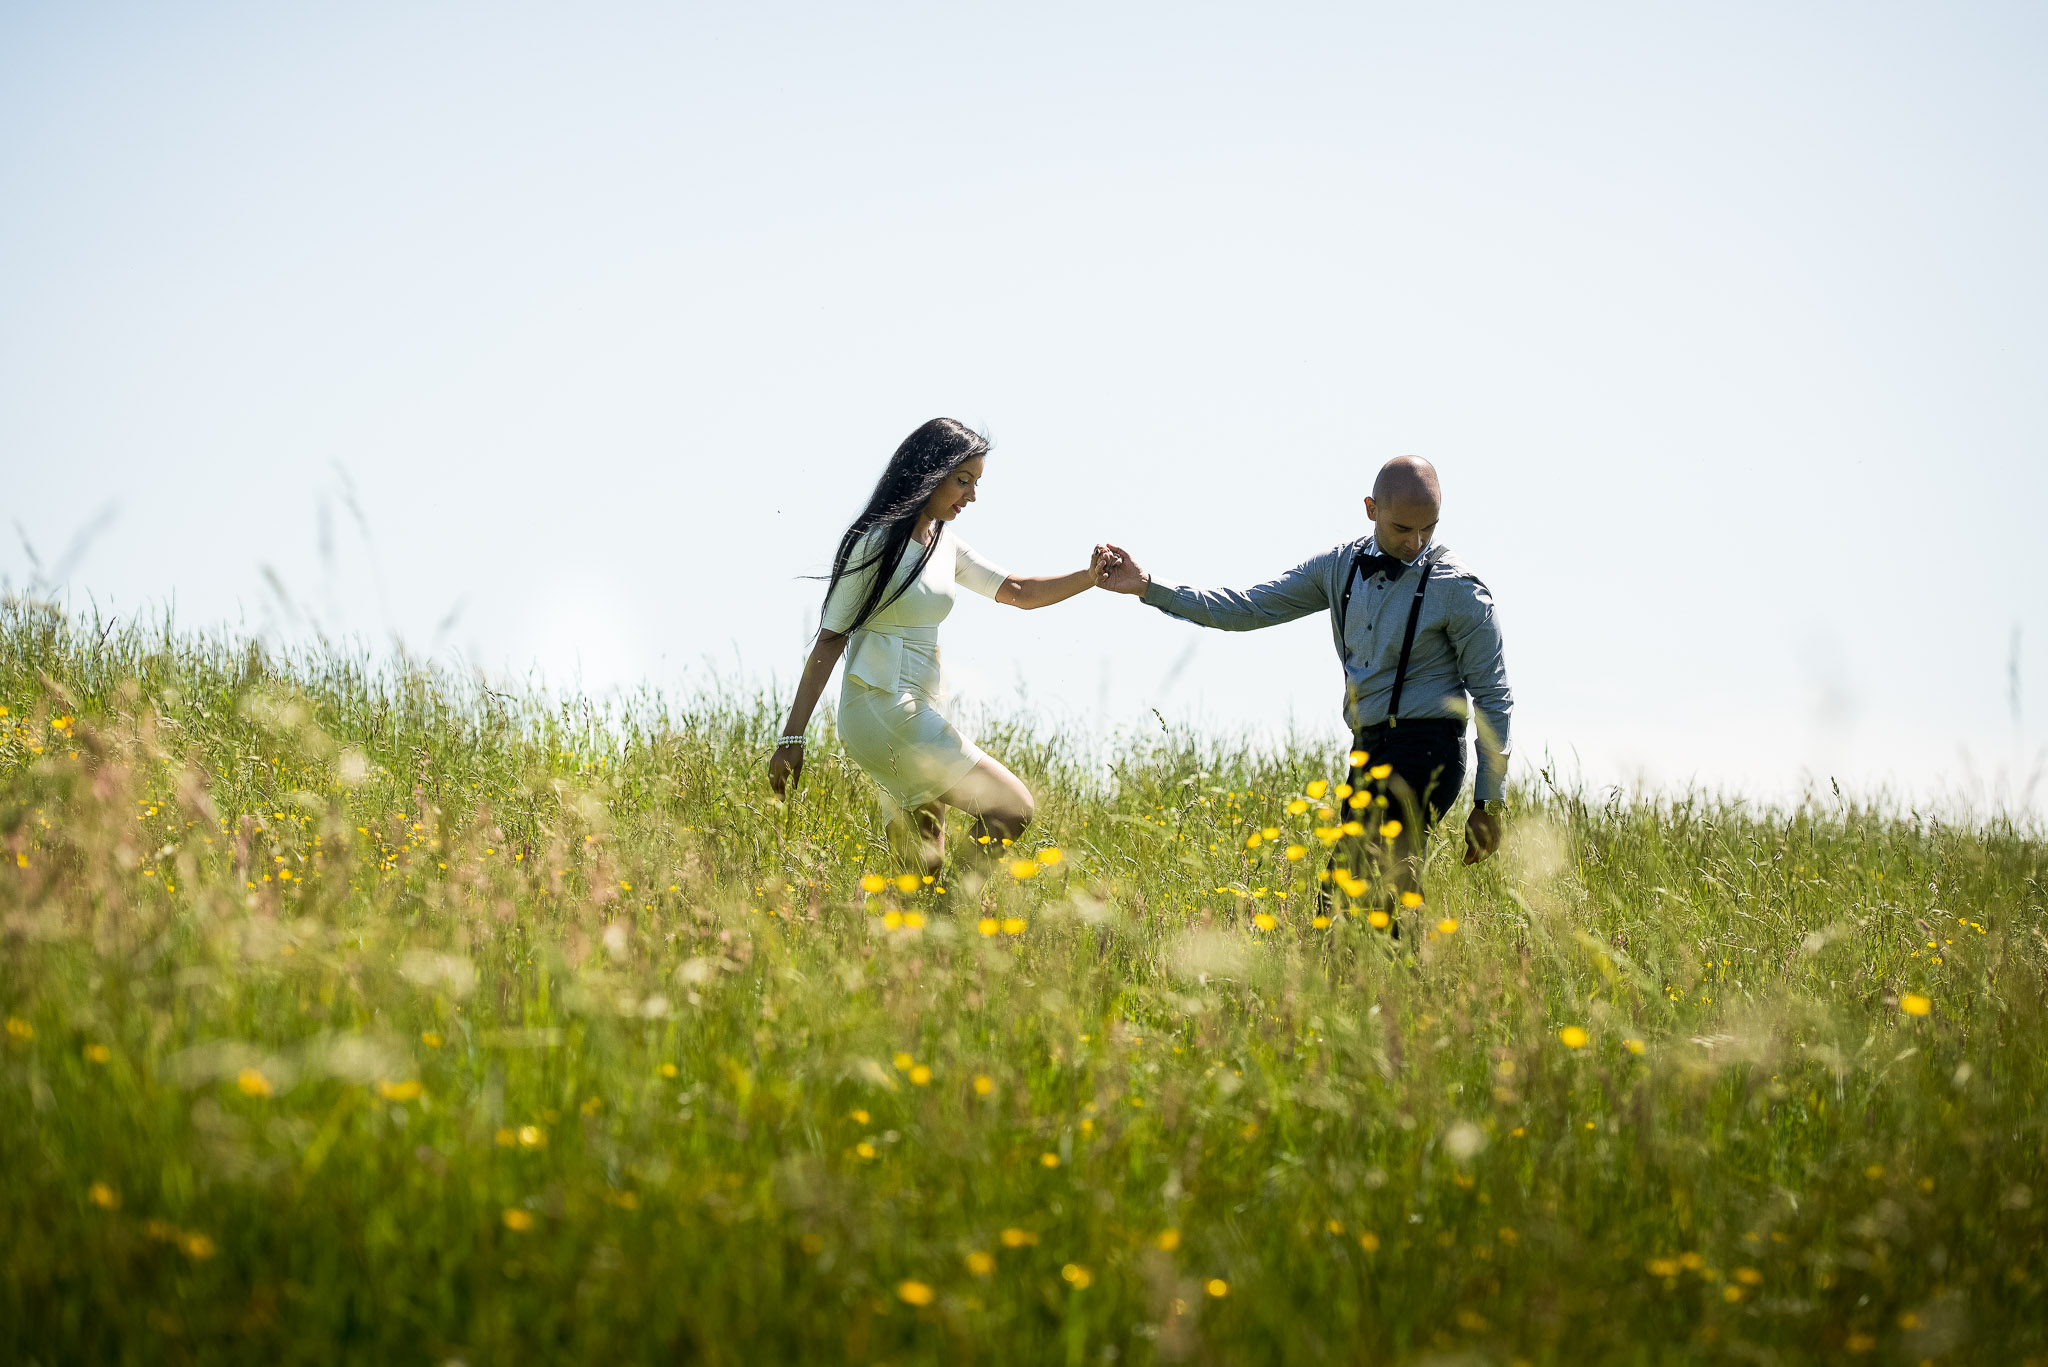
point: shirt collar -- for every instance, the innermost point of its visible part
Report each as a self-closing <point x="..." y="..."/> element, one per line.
<point x="1372" y="547"/>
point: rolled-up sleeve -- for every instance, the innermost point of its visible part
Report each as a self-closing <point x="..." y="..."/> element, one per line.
<point x="975" y="574"/>
<point x="1297" y="593"/>
<point x="1475" y="636"/>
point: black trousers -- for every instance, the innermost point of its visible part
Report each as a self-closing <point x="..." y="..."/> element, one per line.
<point x="1428" y="757"/>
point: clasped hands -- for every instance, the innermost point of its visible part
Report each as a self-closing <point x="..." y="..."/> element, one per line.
<point x="1115" y="570"/>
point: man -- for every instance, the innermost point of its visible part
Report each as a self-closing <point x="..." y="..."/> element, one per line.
<point x="1416" y="632"/>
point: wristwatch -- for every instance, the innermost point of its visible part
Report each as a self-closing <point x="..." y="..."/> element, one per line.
<point x="1493" y="807"/>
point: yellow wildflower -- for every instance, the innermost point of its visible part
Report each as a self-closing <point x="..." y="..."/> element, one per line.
<point x="913" y="920"/>
<point x="983" y="1084"/>
<point x="915" y="1292"/>
<point x="859" y="1117"/>
<point x="1411" y="900"/>
<point x="196" y="1246"/>
<point x="1634" y="1046"/>
<point x="1381" y="771"/>
<point x="667" y="1070"/>
<point x="1297" y="807"/>
<point x="873" y="882"/>
<point x="981" y="1263"/>
<point x="1051" y="855"/>
<point x="1077" y="1276"/>
<point x="1913" y="1004"/>
<point x="1379" y="920"/>
<point x="97" y="1053"/>
<point x="1447" y="926"/>
<point x="1168" y="1240"/>
<point x="1265" y="920"/>
<point x="103" y="1196"/>
<point x="408" y="1090"/>
<point x="1296" y="851"/>
<point x="1320" y="922"/>
<point x="1318" y="788"/>
<point x="1369" y="1241"/>
<point x="20" y="1029"/>
<point x="252" y="1083"/>
<point x="1050" y="1160"/>
<point x="517" y="1220"/>
<point x="921" y="1075"/>
<point x="1021" y="869"/>
<point x="1018" y="1238"/>
<point x="1357" y="758"/>
<point x="1573" y="1037"/>
<point x="532" y="1137"/>
<point x="1661" y="1267"/>
<point x="1013" y="925"/>
<point x="431" y="1038"/>
<point x="989" y="925"/>
<point x="906" y="882"/>
<point x="864" y="1149"/>
<point x="1389" y="829"/>
<point x="903" y="1062"/>
<point x="1217" y="1287"/>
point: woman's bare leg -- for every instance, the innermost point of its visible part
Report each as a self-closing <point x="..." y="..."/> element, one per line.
<point x="997" y="800"/>
<point x="918" y="835"/>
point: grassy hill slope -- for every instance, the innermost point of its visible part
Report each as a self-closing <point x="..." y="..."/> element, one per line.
<point x="379" y="1017"/>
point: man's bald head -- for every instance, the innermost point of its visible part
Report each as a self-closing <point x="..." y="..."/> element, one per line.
<point x="1404" y="505"/>
<point x="1408" y="480"/>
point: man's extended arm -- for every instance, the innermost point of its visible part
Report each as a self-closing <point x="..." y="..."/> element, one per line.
<point x="1297" y="593"/>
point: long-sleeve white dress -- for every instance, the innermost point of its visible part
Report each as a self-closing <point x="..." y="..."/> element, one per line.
<point x="891" y="702"/>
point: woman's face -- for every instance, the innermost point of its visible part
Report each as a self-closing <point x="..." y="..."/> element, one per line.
<point x="955" y="491"/>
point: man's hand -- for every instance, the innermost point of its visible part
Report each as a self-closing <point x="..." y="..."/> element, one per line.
<point x="1482" y="835"/>
<point x="1116" y="571"/>
<point x="785" y="767"/>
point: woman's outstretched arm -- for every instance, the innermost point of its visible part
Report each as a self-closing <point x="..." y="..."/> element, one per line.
<point x="786" y="765"/>
<point x="1043" y="590"/>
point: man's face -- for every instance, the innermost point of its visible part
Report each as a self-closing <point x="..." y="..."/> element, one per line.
<point x="1401" y="528"/>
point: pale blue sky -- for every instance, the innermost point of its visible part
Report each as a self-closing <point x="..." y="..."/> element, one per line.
<point x="1724" y="325"/>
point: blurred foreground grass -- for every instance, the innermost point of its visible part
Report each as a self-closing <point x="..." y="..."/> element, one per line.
<point x="383" y="1018"/>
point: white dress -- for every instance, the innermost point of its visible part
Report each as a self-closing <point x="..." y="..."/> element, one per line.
<point x="890" y="704"/>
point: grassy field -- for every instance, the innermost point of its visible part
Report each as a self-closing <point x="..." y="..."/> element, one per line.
<point x="379" y="1017"/>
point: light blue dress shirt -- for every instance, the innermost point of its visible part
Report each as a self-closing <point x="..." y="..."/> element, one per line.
<point x="1456" y="669"/>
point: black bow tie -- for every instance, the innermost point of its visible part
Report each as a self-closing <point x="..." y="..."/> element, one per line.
<point x="1391" y="566"/>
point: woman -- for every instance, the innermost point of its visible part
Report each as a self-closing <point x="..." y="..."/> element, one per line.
<point x="892" y="584"/>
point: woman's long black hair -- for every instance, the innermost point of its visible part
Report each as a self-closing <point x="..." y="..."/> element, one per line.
<point x="924" y="459"/>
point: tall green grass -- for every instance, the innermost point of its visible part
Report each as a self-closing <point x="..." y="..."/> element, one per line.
<point x="371" y="1015"/>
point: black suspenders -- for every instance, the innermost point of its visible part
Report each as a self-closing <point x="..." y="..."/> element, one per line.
<point x="1408" y="642"/>
<point x="1428" y="563"/>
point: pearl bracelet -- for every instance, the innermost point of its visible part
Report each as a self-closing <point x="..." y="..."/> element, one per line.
<point x="781" y="741"/>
